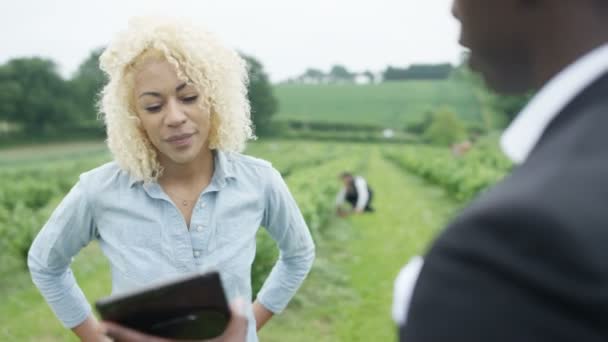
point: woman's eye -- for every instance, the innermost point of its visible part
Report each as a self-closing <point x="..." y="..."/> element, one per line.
<point x="153" y="109"/>
<point x="190" y="99"/>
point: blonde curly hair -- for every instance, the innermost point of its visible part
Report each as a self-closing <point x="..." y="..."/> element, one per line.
<point x="217" y="72"/>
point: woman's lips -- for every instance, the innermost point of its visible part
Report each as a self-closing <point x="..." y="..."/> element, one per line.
<point x="181" y="139"/>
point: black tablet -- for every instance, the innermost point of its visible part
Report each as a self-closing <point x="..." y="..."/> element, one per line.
<point x="193" y="307"/>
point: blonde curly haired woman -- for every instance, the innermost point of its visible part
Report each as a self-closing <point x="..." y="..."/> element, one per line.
<point x="178" y="197"/>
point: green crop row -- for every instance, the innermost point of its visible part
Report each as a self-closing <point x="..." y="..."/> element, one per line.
<point x="464" y="177"/>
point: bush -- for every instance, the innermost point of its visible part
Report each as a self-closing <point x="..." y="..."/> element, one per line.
<point x="464" y="177"/>
<point x="445" y="129"/>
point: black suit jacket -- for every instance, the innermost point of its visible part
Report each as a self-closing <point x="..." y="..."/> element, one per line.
<point x="528" y="260"/>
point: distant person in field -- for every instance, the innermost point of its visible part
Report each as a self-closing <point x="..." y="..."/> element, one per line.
<point x="527" y="261"/>
<point x="356" y="192"/>
<point x="178" y="197"/>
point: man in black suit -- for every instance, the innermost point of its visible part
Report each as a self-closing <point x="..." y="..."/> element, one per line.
<point x="528" y="260"/>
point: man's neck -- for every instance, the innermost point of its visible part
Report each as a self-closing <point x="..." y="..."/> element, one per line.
<point x="555" y="49"/>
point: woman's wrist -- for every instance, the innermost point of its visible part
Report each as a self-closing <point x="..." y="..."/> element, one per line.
<point x="90" y="330"/>
<point x="261" y="314"/>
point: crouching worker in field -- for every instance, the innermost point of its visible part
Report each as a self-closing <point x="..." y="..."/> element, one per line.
<point x="178" y="197"/>
<point x="356" y="192"/>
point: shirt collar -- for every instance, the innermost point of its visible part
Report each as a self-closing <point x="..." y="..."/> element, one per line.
<point x="524" y="132"/>
<point x="132" y="180"/>
<point x="223" y="168"/>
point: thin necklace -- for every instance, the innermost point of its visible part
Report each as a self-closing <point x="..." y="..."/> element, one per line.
<point x="185" y="202"/>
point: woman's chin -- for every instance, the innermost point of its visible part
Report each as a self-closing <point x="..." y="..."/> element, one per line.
<point x="178" y="157"/>
<point x="185" y="156"/>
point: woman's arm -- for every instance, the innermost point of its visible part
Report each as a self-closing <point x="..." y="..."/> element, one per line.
<point x="69" y="229"/>
<point x="261" y="314"/>
<point x="284" y="222"/>
<point x="90" y="331"/>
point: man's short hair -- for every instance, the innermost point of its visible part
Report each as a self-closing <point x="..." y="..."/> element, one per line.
<point x="346" y="174"/>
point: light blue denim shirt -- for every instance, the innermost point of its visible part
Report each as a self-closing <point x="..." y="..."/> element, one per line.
<point x="145" y="238"/>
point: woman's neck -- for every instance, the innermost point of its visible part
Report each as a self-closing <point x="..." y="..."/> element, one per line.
<point x="193" y="174"/>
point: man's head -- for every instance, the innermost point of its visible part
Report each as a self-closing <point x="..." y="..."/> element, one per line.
<point x="346" y="178"/>
<point x="517" y="45"/>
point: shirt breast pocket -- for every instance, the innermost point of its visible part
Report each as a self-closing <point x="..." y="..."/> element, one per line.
<point x="234" y="231"/>
<point x="143" y="258"/>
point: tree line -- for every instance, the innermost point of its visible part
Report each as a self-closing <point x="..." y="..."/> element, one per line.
<point x="340" y="74"/>
<point x="37" y="102"/>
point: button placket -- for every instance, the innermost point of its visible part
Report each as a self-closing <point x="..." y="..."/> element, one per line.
<point x="179" y="237"/>
<point x="199" y="230"/>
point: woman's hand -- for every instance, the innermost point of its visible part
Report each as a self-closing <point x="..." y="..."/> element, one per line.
<point x="91" y="331"/>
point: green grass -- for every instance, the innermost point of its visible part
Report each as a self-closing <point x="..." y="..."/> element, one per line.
<point x="390" y="104"/>
<point x="25" y="316"/>
<point x="348" y="295"/>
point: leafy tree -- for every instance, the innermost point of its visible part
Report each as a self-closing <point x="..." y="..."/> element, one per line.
<point x="315" y="75"/>
<point x="261" y="97"/>
<point x="86" y="83"/>
<point x="394" y="74"/>
<point x="339" y="73"/>
<point x="445" y="129"/>
<point x="34" y="95"/>
<point x="418" y="72"/>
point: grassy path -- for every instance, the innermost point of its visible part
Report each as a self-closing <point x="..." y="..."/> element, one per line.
<point x="348" y="295"/>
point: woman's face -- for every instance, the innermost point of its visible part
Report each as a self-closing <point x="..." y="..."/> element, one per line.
<point x="173" y="114"/>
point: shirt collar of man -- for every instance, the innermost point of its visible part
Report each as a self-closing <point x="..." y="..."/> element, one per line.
<point x="524" y="132"/>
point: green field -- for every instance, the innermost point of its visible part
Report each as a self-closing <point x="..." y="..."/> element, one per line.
<point x="391" y="104"/>
<point x="347" y="296"/>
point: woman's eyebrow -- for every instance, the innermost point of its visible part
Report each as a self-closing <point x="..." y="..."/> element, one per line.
<point x="156" y="94"/>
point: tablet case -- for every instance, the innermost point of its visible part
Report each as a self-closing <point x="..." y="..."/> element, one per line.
<point x="193" y="307"/>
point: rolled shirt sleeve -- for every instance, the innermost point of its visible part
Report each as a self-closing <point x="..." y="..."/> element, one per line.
<point x="284" y="222"/>
<point x="69" y="229"/>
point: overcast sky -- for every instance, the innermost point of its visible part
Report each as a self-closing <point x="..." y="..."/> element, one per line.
<point x="286" y="36"/>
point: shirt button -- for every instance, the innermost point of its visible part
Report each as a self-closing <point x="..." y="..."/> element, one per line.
<point x="199" y="228"/>
<point x="203" y="205"/>
<point x="197" y="254"/>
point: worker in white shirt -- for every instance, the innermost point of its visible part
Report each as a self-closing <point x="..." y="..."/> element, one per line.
<point x="356" y="192"/>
